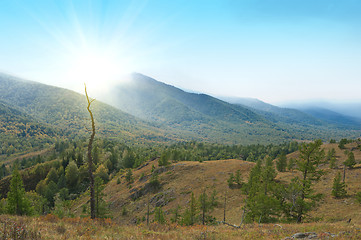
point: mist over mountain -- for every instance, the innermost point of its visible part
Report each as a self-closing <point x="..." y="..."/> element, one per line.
<point x="348" y="108"/>
<point x="152" y="100"/>
<point x="310" y="114"/>
<point x="145" y="110"/>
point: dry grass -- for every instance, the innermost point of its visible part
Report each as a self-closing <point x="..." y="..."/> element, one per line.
<point x="331" y="209"/>
<point x="182" y="178"/>
<point x="177" y="183"/>
<point x="50" y="227"/>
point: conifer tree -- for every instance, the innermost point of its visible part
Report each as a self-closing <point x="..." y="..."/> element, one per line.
<point x="261" y="204"/>
<point x="281" y="163"/>
<point x="237" y="178"/>
<point x="72" y="175"/>
<point x="268" y="175"/>
<point x="291" y="164"/>
<point x="17" y="203"/>
<point x="342" y="143"/>
<point x="176" y="214"/>
<point x="205" y="206"/>
<point x="189" y="216"/>
<point x="52" y="176"/>
<point x="253" y="186"/>
<point x="164" y="159"/>
<point x="350" y="161"/>
<point x="159" y="215"/>
<point x="339" y="187"/>
<point x="102" y="172"/>
<point x="101" y="208"/>
<point x="331" y="157"/>
<point x="311" y="155"/>
<point x="128" y="158"/>
<point x="129" y="176"/>
<point x="230" y="180"/>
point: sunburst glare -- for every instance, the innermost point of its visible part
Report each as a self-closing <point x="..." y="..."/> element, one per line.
<point x="95" y="67"/>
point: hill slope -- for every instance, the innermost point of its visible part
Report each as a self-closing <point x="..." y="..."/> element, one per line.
<point x="249" y="119"/>
<point x="17" y="129"/>
<point x="147" y="98"/>
<point x="169" y="114"/>
<point x="182" y="178"/>
<point x="66" y="111"/>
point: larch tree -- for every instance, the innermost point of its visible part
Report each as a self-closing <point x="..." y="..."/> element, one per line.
<point x="311" y="155"/>
<point x="281" y="163"/>
<point x="338" y="187"/>
<point x="17" y="203"/>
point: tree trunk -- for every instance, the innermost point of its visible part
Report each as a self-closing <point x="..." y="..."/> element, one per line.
<point x="224" y="209"/>
<point x="90" y="159"/>
<point x="148" y="211"/>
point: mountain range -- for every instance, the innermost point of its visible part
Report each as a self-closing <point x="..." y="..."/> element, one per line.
<point x="142" y="110"/>
<point x="152" y="100"/>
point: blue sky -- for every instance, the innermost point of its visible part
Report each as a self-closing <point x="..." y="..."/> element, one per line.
<point x="273" y="50"/>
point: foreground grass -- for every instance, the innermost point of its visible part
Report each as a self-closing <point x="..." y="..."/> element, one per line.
<point x="50" y="227"/>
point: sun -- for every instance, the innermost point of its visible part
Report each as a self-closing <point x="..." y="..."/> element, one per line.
<point x="98" y="68"/>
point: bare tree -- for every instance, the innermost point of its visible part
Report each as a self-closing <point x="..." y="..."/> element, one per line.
<point x="90" y="159"/>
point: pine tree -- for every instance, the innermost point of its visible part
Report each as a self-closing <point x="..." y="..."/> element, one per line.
<point x="17" y="203"/>
<point x="253" y="186"/>
<point x="128" y="158"/>
<point x="230" y="180"/>
<point x="339" y="187"/>
<point x="291" y="164"/>
<point x="72" y="175"/>
<point x="237" y="178"/>
<point x="204" y="205"/>
<point x="52" y="176"/>
<point x="342" y="143"/>
<point x="101" y="208"/>
<point x="164" y="159"/>
<point x="350" y="161"/>
<point x="176" y="214"/>
<point x="159" y="215"/>
<point x="129" y="176"/>
<point x="311" y="156"/>
<point x="268" y="175"/>
<point x="114" y="161"/>
<point x="281" y="163"/>
<point x="189" y="216"/>
<point x="331" y="157"/>
<point x="79" y="159"/>
<point x="102" y="172"/>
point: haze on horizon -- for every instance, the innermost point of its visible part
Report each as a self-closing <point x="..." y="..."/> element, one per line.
<point x="275" y="51"/>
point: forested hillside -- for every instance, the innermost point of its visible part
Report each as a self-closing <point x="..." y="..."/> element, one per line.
<point x="169" y="114"/>
<point x="65" y="111"/>
<point x="249" y="120"/>
<point x="19" y="131"/>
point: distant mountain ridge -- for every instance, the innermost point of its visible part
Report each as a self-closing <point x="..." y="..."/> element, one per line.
<point x="313" y="116"/>
<point x="146" y="98"/>
<point x="151" y="100"/>
<point x="148" y="111"/>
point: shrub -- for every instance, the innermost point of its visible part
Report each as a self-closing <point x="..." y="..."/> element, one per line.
<point x="358" y="197"/>
<point x="17" y="230"/>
